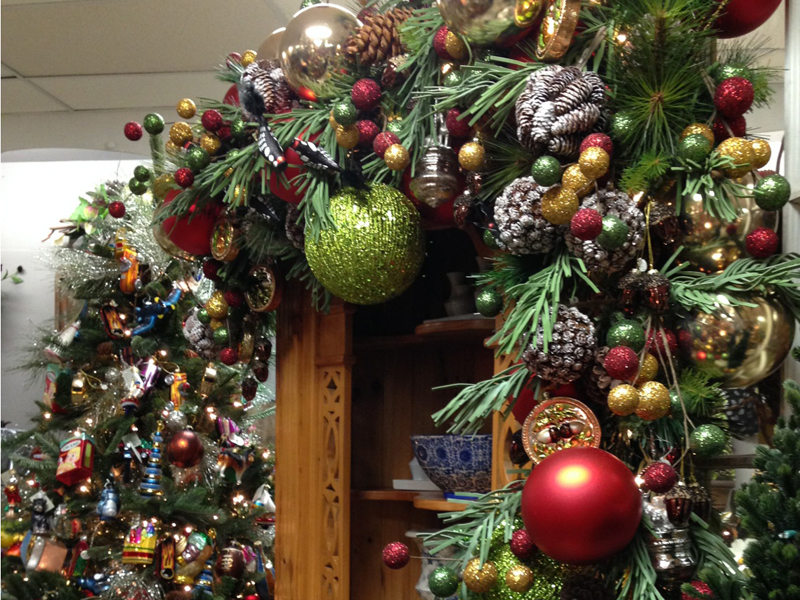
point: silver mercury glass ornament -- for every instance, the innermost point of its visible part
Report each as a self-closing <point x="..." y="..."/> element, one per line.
<point x="435" y="178"/>
<point x="670" y="547"/>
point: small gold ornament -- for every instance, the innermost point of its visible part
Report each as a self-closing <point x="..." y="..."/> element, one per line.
<point x="332" y="122"/>
<point x="210" y="143"/>
<point x="762" y="153"/>
<point x="171" y="147"/>
<point x="228" y="172"/>
<point x="396" y="157"/>
<point x="740" y="150"/>
<point x="559" y="204"/>
<point x="480" y="579"/>
<point x="594" y="162"/>
<point x="527" y="11"/>
<point x="455" y="46"/>
<point x="216" y="324"/>
<point x="699" y="128"/>
<point x="447" y="67"/>
<point x="654" y="401"/>
<point x="519" y="579"/>
<point x="216" y="307"/>
<point x="623" y="400"/>
<point x="186" y="108"/>
<point x="574" y="179"/>
<point x="248" y="57"/>
<point x="648" y="369"/>
<point x="537" y="435"/>
<point x="471" y="156"/>
<point x="162" y="185"/>
<point x="347" y="137"/>
<point x="180" y="133"/>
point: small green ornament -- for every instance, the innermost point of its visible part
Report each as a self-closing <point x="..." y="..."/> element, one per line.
<point x="675" y="406"/>
<point x="154" y="123"/>
<point x="490" y="240"/>
<point x="345" y="113"/>
<point x="203" y="316"/>
<point x="614" y="234"/>
<point x="142" y="173"/>
<point x="238" y="129"/>
<point x="394" y="127"/>
<point x="221" y="336"/>
<point x="443" y="582"/>
<point x="707" y="441"/>
<point x="622" y="126"/>
<point x="489" y="302"/>
<point x="626" y="333"/>
<point x="453" y="78"/>
<point x="695" y="148"/>
<point x="733" y="70"/>
<point x="137" y="187"/>
<point x="307" y="3"/>
<point x="546" y="171"/>
<point x="197" y="159"/>
<point x="772" y="192"/>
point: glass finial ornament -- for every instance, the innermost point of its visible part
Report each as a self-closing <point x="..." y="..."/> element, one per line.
<point x="435" y="178"/>
<point x="151" y="482"/>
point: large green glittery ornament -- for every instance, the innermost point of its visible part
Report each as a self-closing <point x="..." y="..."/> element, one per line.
<point x="137" y="187"/>
<point x="197" y="159"/>
<point x="626" y="333"/>
<point x="622" y="126"/>
<point x="345" y="113"/>
<point x="203" y="316"/>
<point x="695" y="148"/>
<point x="489" y="302"/>
<point x="546" y="171"/>
<point x="221" y="336"/>
<point x="153" y="123"/>
<point x="375" y="249"/>
<point x="707" y="441"/>
<point x="443" y="582"/>
<point x="614" y="234"/>
<point x="772" y="192"/>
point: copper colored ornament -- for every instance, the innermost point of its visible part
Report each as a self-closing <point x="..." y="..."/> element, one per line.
<point x="558" y="27"/>
<point x="210" y="143"/>
<point x="656" y="291"/>
<point x="266" y="289"/>
<point x="480" y="578"/>
<point x="395" y="555"/>
<point x="435" y="178"/>
<point x="526" y="12"/>
<point x="701" y="501"/>
<point x="556" y="424"/>
<point x="471" y="156"/>
<point x="224" y="240"/>
<point x="678" y="502"/>
<point x="184" y="449"/>
<point x="519" y="579"/>
<point x="186" y="108"/>
<point x="180" y="133"/>
<point x="396" y="157"/>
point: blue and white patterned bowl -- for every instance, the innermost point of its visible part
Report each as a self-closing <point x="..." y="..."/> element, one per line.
<point x="456" y="463"/>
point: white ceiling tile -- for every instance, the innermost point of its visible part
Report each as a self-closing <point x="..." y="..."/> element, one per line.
<point x="19" y="96"/>
<point x="6" y="72"/>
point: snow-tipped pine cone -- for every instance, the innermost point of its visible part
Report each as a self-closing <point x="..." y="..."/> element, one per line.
<point x="610" y="202"/>
<point x="295" y="232"/>
<point x="200" y="336"/>
<point x="569" y="353"/>
<point x="558" y="108"/>
<point x="518" y="214"/>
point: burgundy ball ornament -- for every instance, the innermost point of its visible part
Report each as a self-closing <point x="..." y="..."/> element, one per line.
<point x="734" y="97"/>
<point x="440" y="43"/>
<point x="184" y="449"/>
<point x="586" y="224"/>
<point x="701" y="587"/>
<point x="234" y="298"/>
<point x="133" y="131"/>
<point x="395" y="555"/>
<point x="383" y="141"/>
<point x="522" y="545"/>
<point x="659" y="477"/>
<point x="762" y="242"/>
<point x="184" y="177"/>
<point x="581" y="506"/>
<point x="598" y="140"/>
<point x="656" y="343"/>
<point x="228" y="356"/>
<point x="211" y="269"/>
<point x="116" y="209"/>
<point x="740" y="17"/>
<point x="737" y="126"/>
<point x="458" y="128"/>
<point x="621" y="363"/>
<point x="211" y="120"/>
<point x="367" y="132"/>
<point x="366" y="94"/>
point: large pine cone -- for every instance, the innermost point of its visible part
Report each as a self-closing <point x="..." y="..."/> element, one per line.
<point x="570" y="351"/>
<point x="378" y="39"/>
<point x="585" y="587"/>
<point x="618" y="204"/>
<point x="263" y="90"/>
<point x="558" y="107"/>
<point x="518" y="214"/>
<point x="597" y="381"/>
<point x="295" y="232"/>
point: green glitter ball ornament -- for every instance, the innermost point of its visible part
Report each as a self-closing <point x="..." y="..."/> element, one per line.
<point x="489" y="302"/>
<point x="142" y="173"/>
<point x="622" y="126"/>
<point x="546" y="171"/>
<point x="203" y="316"/>
<point x="345" y="113"/>
<point x="675" y="406"/>
<point x="707" y="441"/>
<point x="453" y="78"/>
<point x="153" y="123"/>
<point x="733" y="70"/>
<point x="394" y="127"/>
<point x="238" y="129"/>
<point x="626" y="333"/>
<point x="695" y="148"/>
<point x="614" y="234"/>
<point x="772" y="192"/>
<point x="443" y="582"/>
<point x="137" y="187"/>
<point x="375" y="249"/>
<point x="490" y="240"/>
<point x="221" y="336"/>
<point x="197" y="159"/>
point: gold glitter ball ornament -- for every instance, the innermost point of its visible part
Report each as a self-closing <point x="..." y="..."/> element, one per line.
<point x="347" y="137"/>
<point x="623" y="400"/>
<point x="559" y="204"/>
<point x="171" y="147"/>
<point x="741" y="152"/>
<point x="648" y="369"/>
<point x="396" y="157"/>
<point x="455" y="46"/>
<point x="574" y="179"/>
<point x="186" y="108"/>
<point x="519" y="578"/>
<point x="471" y="156"/>
<point x="654" y="401"/>
<point x="210" y="143"/>
<point x="248" y="57"/>
<point x="216" y="324"/>
<point x="594" y="162"/>
<point x="376" y="248"/>
<point x="701" y="129"/>
<point x="761" y="152"/>
<point x="162" y="185"/>
<point x="180" y="133"/>
<point x="216" y="307"/>
<point x="480" y="578"/>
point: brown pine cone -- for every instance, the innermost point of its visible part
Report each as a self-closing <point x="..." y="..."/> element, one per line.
<point x="598" y="381"/>
<point x="585" y="587"/>
<point x="378" y="39"/>
<point x="295" y="232"/>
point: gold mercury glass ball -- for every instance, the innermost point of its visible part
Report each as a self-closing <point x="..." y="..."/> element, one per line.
<point x="699" y="128"/>
<point x="471" y="156"/>
<point x="347" y="137"/>
<point x="480" y="579"/>
<point x="761" y="152"/>
<point x="559" y="204"/>
<point x="574" y="179"/>
<point x="210" y="143"/>
<point x="180" y="133"/>
<point x="216" y="306"/>
<point x="648" y="369"/>
<point x="396" y="157"/>
<point x="248" y="57"/>
<point x="455" y="46"/>
<point x="594" y="162"/>
<point x="186" y="108"/>
<point x="654" y="401"/>
<point x="623" y="400"/>
<point x="740" y="150"/>
<point x="519" y="579"/>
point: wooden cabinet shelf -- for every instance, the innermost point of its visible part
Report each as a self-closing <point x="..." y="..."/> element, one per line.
<point x="437" y="502"/>
<point x="421" y="500"/>
<point x="445" y="331"/>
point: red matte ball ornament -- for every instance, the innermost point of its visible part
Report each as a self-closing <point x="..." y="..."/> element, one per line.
<point x="191" y="233"/>
<point x="740" y="17"/>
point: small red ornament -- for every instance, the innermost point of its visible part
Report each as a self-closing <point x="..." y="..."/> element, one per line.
<point x="133" y="131"/>
<point x="621" y="363"/>
<point x="526" y="401"/>
<point x="522" y="545"/>
<point x="184" y="177"/>
<point x="231" y="97"/>
<point x="734" y="97"/>
<point x="395" y="555"/>
<point x="211" y="120"/>
<point x="366" y="94"/>
<point x="659" y="477"/>
<point x="233" y="58"/>
<point x="367" y="132"/>
<point x="261" y="371"/>
<point x="295" y="165"/>
<point x="383" y="141"/>
<point x="234" y="298"/>
<point x="185" y="449"/>
<point x="655" y="342"/>
<point x="761" y="242"/>
<point x="598" y="140"/>
<point x="192" y="236"/>
<point x="228" y="356"/>
<point x="586" y="224"/>
<point x="457" y="128"/>
<point x="439" y="39"/>
<point x="249" y="388"/>
<point x="224" y="132"/>
<point x="211" y="269"/>
<point x="740" y="17"/>
<point x="701" y="587"/>
<point x="116" y="209"/>
<point x="737" y="125"/>
<point x="581" y="506"/>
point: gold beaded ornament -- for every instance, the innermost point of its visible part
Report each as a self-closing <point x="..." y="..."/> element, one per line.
<point x="574" y="179"/>
<point x="519" y="578"/>
<point x="210" y="143"/>
<point x="216" y="306"/>
<point x="654" y="401"/>
<point x="396" y="157"/>
<point x="648" y="369"/>
<point x="248" y="57"/>
<point x="762" y="153"/>
<point x="471" y="156"/>
<point x="741" y="152"/>
<point x="455" y="46"/>
<point x="347" y="137"/>
<point x="594" y="162"/>
<point x="180" y="133"/>
<point x="186" y="108"/>
<point x="623" y="400"/>
<point x="701" y="129"/>
<point x="480" y="578"/>
<point x="559" y="205"/>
